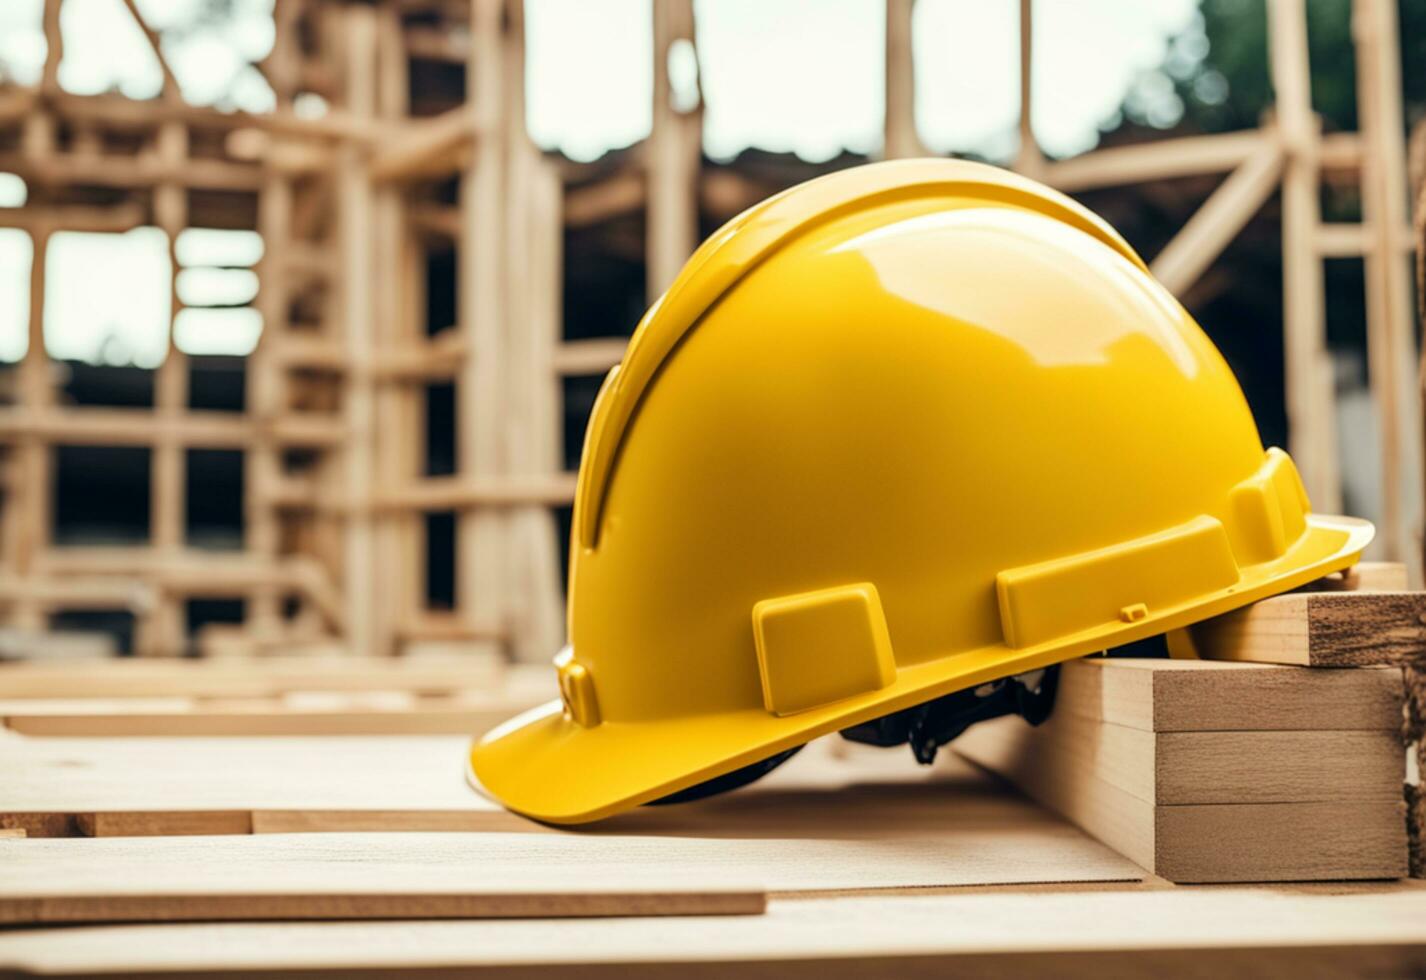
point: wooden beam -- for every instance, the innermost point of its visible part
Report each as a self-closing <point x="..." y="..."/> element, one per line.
<point x="171" y="90"/>
<point x="355" y="217"/>
<point x="1391" y="346"/>
<point x="395" y="433"/>
<point x="574" y="357"/>
<point x="429" y="147"/>
<point x="1198" y="695"/>
<point x="78" y="426"/>
<point x="163" y="631"/>
<point x="460" y="492"/>
<point x="623" y="192"/>
<point x="73" y="217"/>
<point x="1070" y="765"/>
<point x="1328" y="629"/>
<point x="132" y="172"/>
<point x="674" y="155"/>
<point x="54" y="47"/>
<point x="123" y="114"/>
<point x="1310" y="385"/>
<point x="1188" y="156"/>
<point x="482" y="309"/>
<point x="900" y="136"/>
<point x="1218" y="221"/>
<point x="1029" y="159"/>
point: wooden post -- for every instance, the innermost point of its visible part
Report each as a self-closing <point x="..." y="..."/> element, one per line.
<point x="32" y="481"/>
<point x="674" y="155"/>
<point x="1029" y="160"/>
<point x="263" y="474"/>
<point x="163" y="634"/>
<point x="1391" y="353"/>
<point x="396" y="434"/>
<point x="1309" y="383"/>
<point x="1418" y="226"/>
<point x="355" y="220"/>
<point x="481" y="305"/>
<point x="901" y="138"/>
<point x="535" y="229"/>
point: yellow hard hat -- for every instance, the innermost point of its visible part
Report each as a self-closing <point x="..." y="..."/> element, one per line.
<point x="894" y="433"/>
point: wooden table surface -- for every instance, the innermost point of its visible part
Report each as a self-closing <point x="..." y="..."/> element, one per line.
<point x="1147" y="930"/>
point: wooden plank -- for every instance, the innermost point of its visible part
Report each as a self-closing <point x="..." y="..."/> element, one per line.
<point x="1305" y="931"/>
<point x="516" y="875"/>
<point x="911" y="825"/>
<point x="1183" y="768"/>
<point x="258" y="717"/>
<point x="1325" y="629"/>
<point x="270" y="676"/>
<point x="1204" y="696"/>
<point x="170" y="786"/>
<point x="370" y="876"/>
<point x="1057" y="765"/>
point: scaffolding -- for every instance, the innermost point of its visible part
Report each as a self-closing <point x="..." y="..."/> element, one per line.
<point x="352" y="204"/>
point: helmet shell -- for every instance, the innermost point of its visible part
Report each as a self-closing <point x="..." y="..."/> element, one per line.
<point x="895" y="432"/>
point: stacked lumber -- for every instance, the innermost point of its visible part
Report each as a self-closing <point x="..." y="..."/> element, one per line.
<point x="1363" y="617"/>
<point x="1218" y="772"/>
<point x="1251" y="764"/>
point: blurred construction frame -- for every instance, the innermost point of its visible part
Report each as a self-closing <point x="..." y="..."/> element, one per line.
<point x="349" y="203"/>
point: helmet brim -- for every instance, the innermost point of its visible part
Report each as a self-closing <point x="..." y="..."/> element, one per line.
<point x="546" y="766"/>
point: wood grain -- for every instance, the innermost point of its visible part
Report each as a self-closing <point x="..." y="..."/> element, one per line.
<point x="1416" y="829"/>
<point x="913" y="825"/>
<point x="1062" y="765"/>
<point x="271" y="676"/>
<point x="1203" y="695"/>
<point x="1364" y="930"/>
<point x="424" y="875"/>
<point x="432" y="716"/>
<point x="1235" y="767"/>
<point x="168" y="786"/>
<point x="337" y="876"/>
<point x="1320" y="629"/>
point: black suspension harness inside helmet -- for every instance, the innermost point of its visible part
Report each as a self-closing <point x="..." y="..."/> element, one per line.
<point x="926" y="727"/>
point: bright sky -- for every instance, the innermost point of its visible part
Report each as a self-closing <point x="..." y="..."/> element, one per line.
<point x="782" y="75"/>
